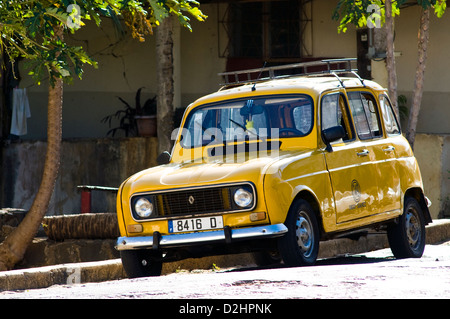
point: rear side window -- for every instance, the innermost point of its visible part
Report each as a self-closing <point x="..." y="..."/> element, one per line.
<point x="390" y="121"/>
<point x="365" y="115"/>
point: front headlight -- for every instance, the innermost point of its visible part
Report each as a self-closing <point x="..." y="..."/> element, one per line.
<point x="243" y="197"/>
<point x="143" y="207"/>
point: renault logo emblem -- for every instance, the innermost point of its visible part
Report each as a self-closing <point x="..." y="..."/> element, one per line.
<point x="191" y="200"/>
<point x="356" y="191"/>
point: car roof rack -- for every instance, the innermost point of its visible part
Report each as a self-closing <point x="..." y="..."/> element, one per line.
<point x="330" y="66"/>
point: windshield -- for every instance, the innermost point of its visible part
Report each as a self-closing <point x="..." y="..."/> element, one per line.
<point x="247" y="119"/>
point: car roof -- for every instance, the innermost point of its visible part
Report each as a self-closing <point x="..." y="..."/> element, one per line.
<point x="312" y="77"/>
<point x="314" y="85"/>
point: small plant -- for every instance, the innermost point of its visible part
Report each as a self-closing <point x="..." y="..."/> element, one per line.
<point x="127" y="115"/>
<point x="214" y="267"/>
<point x="402" y="108"/>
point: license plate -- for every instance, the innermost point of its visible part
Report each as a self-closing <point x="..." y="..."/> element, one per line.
<point x="194" y="224"/>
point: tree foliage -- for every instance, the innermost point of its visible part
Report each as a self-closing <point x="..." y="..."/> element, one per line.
<point x="27" y="29"/>
<point x="359" y="12"/>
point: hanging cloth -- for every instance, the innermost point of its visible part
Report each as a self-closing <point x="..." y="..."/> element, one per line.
<point x="20" y="112"/>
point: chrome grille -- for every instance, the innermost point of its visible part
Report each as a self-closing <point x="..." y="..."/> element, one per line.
<point x="196" y="201"/>
<point x="192" y="201"/>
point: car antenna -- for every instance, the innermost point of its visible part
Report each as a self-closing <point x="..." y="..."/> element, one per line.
<point x="259" y="76"/>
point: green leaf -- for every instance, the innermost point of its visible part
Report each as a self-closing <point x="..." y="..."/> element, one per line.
<point x="439" y="8"/>
<point x="57" y="14"/>
<point x="159" y="11"/>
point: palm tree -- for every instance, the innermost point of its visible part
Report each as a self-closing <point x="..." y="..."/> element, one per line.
<point x="420" y="76"/>
<point x="14" y="246"/>
<point x="165" y="93"/>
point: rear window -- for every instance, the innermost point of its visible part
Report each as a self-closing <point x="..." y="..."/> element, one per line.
<point x="365" y="114"/>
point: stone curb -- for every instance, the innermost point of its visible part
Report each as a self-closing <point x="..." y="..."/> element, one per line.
<point x="66" y="274"/>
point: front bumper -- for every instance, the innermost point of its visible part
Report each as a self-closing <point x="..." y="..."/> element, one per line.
<point x="226" y="235"/>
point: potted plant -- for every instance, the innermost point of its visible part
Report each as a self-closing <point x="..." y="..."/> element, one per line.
<point x="145" y="115"/>
<point x="138" y="120"/>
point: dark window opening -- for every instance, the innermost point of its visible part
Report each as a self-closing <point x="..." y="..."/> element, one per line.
<point x="267" y="30"/>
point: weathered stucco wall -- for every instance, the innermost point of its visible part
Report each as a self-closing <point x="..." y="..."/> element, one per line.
<point x="101" y="162"/>
<point x="108" y="162"/>
<point x="433" y="154"/>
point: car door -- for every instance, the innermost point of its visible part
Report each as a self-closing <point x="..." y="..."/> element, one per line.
<point x="381" y="150"/>
<point x="386" y="155"/>
<point x="353" y="177"/>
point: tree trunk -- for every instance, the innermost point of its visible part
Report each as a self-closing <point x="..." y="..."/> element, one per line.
<point x="390" y="58"/>
<point x="419" y="78"/>
<point x="15" y="245"/>
<point x="165" y="89"/>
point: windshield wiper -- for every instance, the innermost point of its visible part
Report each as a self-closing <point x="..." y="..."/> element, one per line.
<point x="244" y="128"/>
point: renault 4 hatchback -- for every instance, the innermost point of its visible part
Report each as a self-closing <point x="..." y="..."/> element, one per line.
<point x="273" y="166"/>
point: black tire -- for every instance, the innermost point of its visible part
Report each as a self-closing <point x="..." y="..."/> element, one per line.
<point x="141" y="263"/>
<point x="300" y="245"/>
<point x="407" y="237"/>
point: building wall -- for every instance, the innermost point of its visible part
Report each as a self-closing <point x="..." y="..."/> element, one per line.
<point x="435" y="111"/>
<point x="326" y="40"/>
<point x="99" y="162"/>
<point x="200" y="61"/>
<point x="123" y="66"/>
<point x="433" y="155"/>
<point x="126" y="64"/>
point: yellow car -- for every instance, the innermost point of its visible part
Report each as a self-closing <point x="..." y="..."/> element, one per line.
<point x="273" y="165"/>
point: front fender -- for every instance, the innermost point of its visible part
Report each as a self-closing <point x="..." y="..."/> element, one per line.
<point x="290" y="178"/>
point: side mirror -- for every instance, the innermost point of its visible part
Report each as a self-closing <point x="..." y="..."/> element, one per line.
<point x="163" y="158"/>
<point x="332" y="134"/>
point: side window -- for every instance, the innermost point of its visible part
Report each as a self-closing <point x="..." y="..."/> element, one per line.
<point x="390" y="122"/>
<point x="365" y="114"/>
<point x="335" y="112"/>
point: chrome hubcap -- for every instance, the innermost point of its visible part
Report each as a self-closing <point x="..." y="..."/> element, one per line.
<point x="304" y="233"/>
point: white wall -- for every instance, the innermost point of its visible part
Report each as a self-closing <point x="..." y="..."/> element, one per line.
<point x="435" y="111"/>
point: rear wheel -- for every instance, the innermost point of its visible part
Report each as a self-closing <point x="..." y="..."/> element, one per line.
<point x="300" y="246"/>
<point x="141" y="263"/>
<point x="407" y="237"/>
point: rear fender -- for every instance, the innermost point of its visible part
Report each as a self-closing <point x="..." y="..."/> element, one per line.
<point x="417" y="193"/>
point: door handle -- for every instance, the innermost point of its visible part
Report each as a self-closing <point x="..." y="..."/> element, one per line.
<point x="389" y="149"/>
<point x="363" y="153"/>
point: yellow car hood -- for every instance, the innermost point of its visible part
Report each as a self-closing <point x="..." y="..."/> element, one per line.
<point x="206" y="172"/>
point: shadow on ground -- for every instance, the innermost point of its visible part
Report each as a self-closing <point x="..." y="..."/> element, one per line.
<point x="340" y="260"/>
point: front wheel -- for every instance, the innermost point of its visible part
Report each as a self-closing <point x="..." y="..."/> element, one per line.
<point x="141" y="263"/>
<point x="300" y="246"/>
<point x="407" y="237"/>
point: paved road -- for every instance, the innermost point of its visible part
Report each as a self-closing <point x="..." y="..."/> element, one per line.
<point x="372" y="275"/>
